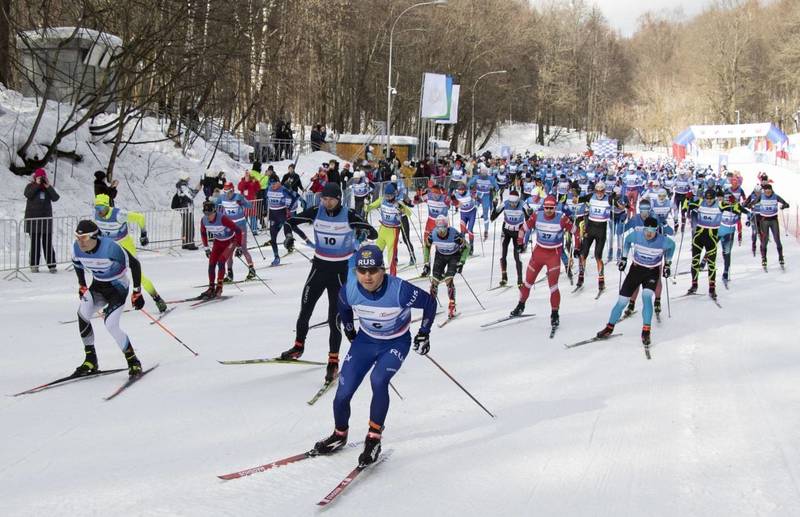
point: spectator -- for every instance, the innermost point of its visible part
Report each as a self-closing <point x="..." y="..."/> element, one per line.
<point x="346" y="174"/>
<point x="333" y="173"/>
<point x="183" y="200"/>
<point x="318" y="182"/>
<point x="101" y="187"/>
<point x="249" y="187"/>
<point x="318" y="135"/>
<point x="291" y="180"/>
<point x="209" y="183"/>
<point x="40" y="195"/>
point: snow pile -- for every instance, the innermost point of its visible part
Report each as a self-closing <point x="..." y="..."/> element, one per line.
<point x="522" y="137"/>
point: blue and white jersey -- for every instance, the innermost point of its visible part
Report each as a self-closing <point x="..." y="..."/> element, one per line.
<point x="649" y="253"/>
<point x="549" y="232"/>
<point x="728" y="223"/>
<point x="391" y="213"/>
<point x="599" y="209"/>
<point x="334" y="238"/>
<point x="502" y="178"/>
<point x="280" y="199"/>
<point x="513" y="215"/>
<point x="577" y="210"/>
<point x="767" y="206"/>
<point x="234" y="207"/>
<point x="583" y="186"/>
<point x="446" y="245"/>
<point x="387" y="313"/>
<point x="632" y="180"/>
<point x="661" y="210"/>
<point x="108" y="263"/>
<point x="216" y="230"/>
<point x="534" y="203"/>
<point x="483" y="185"/>
<point x="709" y="216"/>
<point x="683" y="184"/>
<point x="402" y="190"/>
<point x="361" y="188"/>
<point x="457" y="175"/>
<point x="668" y="182"/>
<point x="528" y="187"/>
<point x="115" y="225"/>
<point x="437" y="205"/>
<point x="466" y="203"/>
<point x="562" y="187"/>
<point x="635" y="223"/>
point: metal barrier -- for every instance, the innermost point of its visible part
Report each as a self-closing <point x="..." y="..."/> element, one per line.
<point x="9" y="245"/>
<point x="47" y="241"/>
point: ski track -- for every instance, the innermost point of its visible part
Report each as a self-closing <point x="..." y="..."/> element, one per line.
<point x="708" y="427"/>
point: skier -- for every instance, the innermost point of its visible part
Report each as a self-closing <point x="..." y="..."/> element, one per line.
<point x="113" y="223"/>
<point x="233" y="205"/>
<point x="616" y="223"/>
<point x="361" y="189"/>
<point x="514" y="215"/>
<point x="383" y="305"/>
<point x="727" y="230"/>
<point x="467" y="206"/>
<point x="438" y="204"/>
<point x="767" y="217"/>
<point x="485" y="186"/>
<point x="334" y="232"/>
<point x="550" y="225"/>
<point x="108" y="262"/>
<point x="708" y="212"/>
<point x="650" y="250"/>
<point x="597" y="216"/>
<point x="391" y="210"/>
<point x="451" y="254"/>
<point x="227" y="237"/>
<point x="280" y="202"/>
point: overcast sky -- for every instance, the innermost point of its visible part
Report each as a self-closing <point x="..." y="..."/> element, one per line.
<point x="622" y="14"/>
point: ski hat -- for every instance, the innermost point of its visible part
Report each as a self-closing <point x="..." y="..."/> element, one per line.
<point x="369" y="256"/>
<point x="549" y="201"/>
<point x="102" y="200"/>
<point x="331" y="190"/>
<point x="87" y="227"/>
<point x="209" y="206"/>
<point x="650" y="223"/>
<point x="39" y="173"/>
<point x="390" y="190"/>
<point x="99" y="175"/>
<point x="228" y="186"/>
<point x="644" y="205"/>
<point x="600" y="186"/>
<point x="442" y="221"/>
<point x="709" y="194"/>
<point x="513" y="196"/>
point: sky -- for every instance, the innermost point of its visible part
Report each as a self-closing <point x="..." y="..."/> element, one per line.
<point x="623" y="14"/>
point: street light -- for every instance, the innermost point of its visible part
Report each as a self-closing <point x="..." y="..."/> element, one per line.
<point x="475" y="84"/>
<point x="390" y="89"/>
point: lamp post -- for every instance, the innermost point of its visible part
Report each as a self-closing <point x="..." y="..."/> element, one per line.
<point x="390" y="89"/>
<point x="475" y="85"/>
<point x="738" y="140"/>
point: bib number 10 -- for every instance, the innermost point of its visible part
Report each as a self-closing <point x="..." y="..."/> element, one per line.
<point x="330" y="241"/>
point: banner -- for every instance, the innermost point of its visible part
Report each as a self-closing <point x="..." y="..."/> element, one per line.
<point x="453" y="106"/>
<point x="436" y="93"/>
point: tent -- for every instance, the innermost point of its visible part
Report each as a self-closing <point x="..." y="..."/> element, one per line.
<point x="768" y="136"/>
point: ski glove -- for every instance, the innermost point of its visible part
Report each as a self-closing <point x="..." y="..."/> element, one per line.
<point x="288" y="243"/>
<point x="208" y="252"/>
<point x="81" y="291"/>
<point x="143" y="240"/>
<point x="422" y="343"/>
<point x="460" y="267"/>
<point x="350" y="332"/>
<point x="576" y="252"/>
<point x="622" y="264"/>
<point x="238" y="252"/>
<point x="310" y="244"/>
<point x="137" y="300"/>
<point x="667" y="269"/>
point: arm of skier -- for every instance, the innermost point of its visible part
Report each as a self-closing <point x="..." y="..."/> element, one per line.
<point x="413" y="297"/>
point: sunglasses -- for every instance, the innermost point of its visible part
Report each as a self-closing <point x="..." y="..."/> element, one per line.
<point x="368" y="270"/>
<point x="84" y="236"/>
<point x="549" y="208"/>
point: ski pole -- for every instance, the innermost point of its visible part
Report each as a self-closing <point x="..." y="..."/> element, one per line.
<point x="678" y="260"/>
<point x="303" y="254"/>
<point x="669" y="310"/>
<point x="491" y="273"/>
<point x="257" y="243"/>
<point x="459" y="385"/>
<point x="395" y="390"/>
<point x="165" y="329"/>
<point x="473" y="292"/>
<point x="261" y="279"/>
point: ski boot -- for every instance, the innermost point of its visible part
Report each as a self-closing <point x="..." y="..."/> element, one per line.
<point x="251" y="272"/>
<point x="228" y="276"/>
<point x="520" y="285"/>
<point x="412" y="261"/>
<point x="764" y="263"/>
<point x="754" y="249"/>
<point x="295" y="352"/>
<point x="630" y="308"/>
<point x="332" y="370"/>
<point x="89" y="365"/>
<point x="781" y="262"/>
<point x="276" y="261"/>
<point x="160" y="303"/>
<point x="208" y="293"/>
<point x="426" y="270"/>
<point x="134" y="366"/>
<point x="372" y="448"/>
<point x="471" y="249"/>
<point x="569" y="275"/>
<point x="218" y="290"/>
<point x="601" y="283"/>
<point x="518" y="310"/>
<point x="693" y="288"/>
<point x="607" y="331"/>
<point x="646" y="335"/>
<point x="333" y="443"/>
<point x="503" y="279"/>
<point x="451" y="309"/>
<point x="712" y="290"/>
<point x="485" y="234"/>
<point x="554" y="320"/>
<point x="580" y="280"/>
<point x="657" y="306"/>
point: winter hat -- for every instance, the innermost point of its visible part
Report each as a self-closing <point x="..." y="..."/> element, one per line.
<point x="87" y="227"/>
<point x="332" y="190"/>
<point x="183" y="175"/>
<point x="390" y="190"/>
<point x="102" y="200"/>
<point x="99" y="175"/>
<point x="369" y="256"/>
<point x="39" y="173"/>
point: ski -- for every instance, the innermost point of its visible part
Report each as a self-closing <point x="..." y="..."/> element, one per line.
<point x="578" y="288"/>
<point x="716" y="302"/>
<point x="185" y="300"/>
<point x="658" y="317"/>
<point x="318" y="325"/>
<point x="501" y="286"/>
<point x="280" y="463"/>
<point x="647" y="349"/>
<point x="449" y="319"/>
<point x="235" y="282"/>
<point x="626" y="315"/>
<point x="725" y="282"/>
<point x="131" y="381"/>
<point x="348" y="480"/>
<point x="274" y="360"/>
<point x="162" y="315"/>
<point x="507" y="318"/>
<point x="96" y="316"/>
<point x="599" y="293"/>
<point x="553" y="331"/>
<point x="69" y="379"/>
<point x="323" y="390"/>
<point x="419" y="318"/>
<point x="591" y="340"/>
<point x="210" y="300"/>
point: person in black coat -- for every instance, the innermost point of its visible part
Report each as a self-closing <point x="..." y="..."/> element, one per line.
<point x="40" y="195"/>
<point x="101" y="187"/>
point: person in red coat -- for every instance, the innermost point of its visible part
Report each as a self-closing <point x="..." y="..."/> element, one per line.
<point x="249" y="187"/>
<point x="318" y="182"/>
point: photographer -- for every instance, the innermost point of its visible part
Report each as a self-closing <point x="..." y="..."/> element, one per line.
<point x="40" y="195"/>
<point x="101" y="187"/>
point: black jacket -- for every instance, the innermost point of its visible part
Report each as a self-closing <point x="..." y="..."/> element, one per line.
<point x="101" y="187"/>
<point x="39" y="200"/>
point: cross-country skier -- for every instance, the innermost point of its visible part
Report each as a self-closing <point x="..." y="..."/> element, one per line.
<point x="514" y="215"/>
<point x="438" y="204"/>
<point x="108" y="262"/>
<point x="597" y="216"/>
<point x="334" y="234"/>
<point x="727" y="229"/>
<point x="451" y="253"/>
<point x="708" y="212"/>
<point x="467" y="206"/>
<point x="227" y="237"/>
<point x="766" y="209"/>
<point x="650" y="250"/>
<point x="113" y="223"/>
<point x="233" y="205"/>
<point x="280" y="203"/>
<point x="391" y="211"/>
<point x="383" y="305"/>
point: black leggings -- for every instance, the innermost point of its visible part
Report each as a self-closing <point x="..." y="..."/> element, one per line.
<point x="510" y="237"/>
<point x="765" y="226"/>
<point x="42" y="244"/>
<point x="705" y="239"/>
<point x="324" y="275"/>
<point x="595" y="232"/>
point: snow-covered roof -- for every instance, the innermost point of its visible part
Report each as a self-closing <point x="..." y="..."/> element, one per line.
<point x="62" y="33"/>
<point x="380" y="139"/>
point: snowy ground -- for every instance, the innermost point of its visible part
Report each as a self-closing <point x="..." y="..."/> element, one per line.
<point x="708" y="427"/>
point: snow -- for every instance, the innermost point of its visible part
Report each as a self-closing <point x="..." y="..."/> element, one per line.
<point x="58" y="33"/>
<point x="521" y="137"/>
<point x="708" y="427"/>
